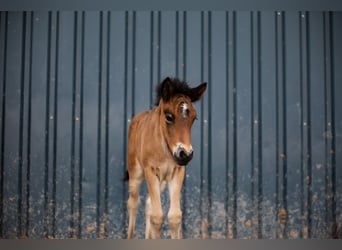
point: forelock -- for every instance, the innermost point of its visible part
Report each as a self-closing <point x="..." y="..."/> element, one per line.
<point x="178" y="88"/>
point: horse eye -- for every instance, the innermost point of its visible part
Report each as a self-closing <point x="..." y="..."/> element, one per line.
<point x="169" y="118"/>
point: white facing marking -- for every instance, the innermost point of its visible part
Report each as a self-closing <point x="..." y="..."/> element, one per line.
<point x="185" y="109"/>
<point x="189" y="148"/>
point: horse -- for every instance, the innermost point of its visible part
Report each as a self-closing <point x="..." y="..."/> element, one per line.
<point x="159" y="148"/>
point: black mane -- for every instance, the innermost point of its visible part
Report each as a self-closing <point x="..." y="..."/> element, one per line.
<point x="178" y="87"/>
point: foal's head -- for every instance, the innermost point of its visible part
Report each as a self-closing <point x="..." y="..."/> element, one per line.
<point x="177" y="115"/>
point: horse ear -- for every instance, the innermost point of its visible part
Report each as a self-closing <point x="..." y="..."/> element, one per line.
<point x="166" y="89"/>
<point x="197" y="92"/>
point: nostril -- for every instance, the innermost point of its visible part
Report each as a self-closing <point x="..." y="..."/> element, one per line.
<point x="191" y="154"/>
<point x="182" y="154"/>
<point x="185" y="155"/>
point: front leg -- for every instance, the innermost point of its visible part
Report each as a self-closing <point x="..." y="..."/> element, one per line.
<point x="154" y="212"/>
<point x="175" y="213"/>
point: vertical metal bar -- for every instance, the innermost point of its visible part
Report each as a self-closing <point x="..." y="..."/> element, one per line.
<point x="29" y="112"/>
<point x="301" y="75"/>
<point x="151" y="57"/>
<point x="226" y="199"/>
<point x="278" y="184"/>
<point x="3" y="119"/>
<point x="284" y="119"/>
<point x="184" y="73"/>
<point x="201" y="124"/>
<point x="107" y="162"/>
<point x="209" y="127"/>
<point x="21" y="128"/>
<point x="81" y="119"/>
<point x="308" y="132"/>
<point x="306" y="122"/>
<point x="102" y="170"/>
<point x="159" y="44"/>
<point x="55" y="136"/>
<point x="330" y="157"/>
<point x="47" y="131"/>
<point x="234" y="79"/>
<point x="206" y="201"/>
<point x="256" y="124"/>
<point x="72" y="163"/>
<point x="133" y="62"/>
<point x="327" y="118"/>
<point x="102" y="147"/>
<point x="51" y="126"/>
<point x="177" y="72"/>
<point x="125" y="122"/>
<point x="283" y="156"/>
<point x="231" y="157"/>
<point x="180" y="43"/>
<point x="155" y="53"/>
<point x="177" y="44"/>
<point x="260" y="161"/>
<point x="281" y="136"/>
<point x="184" y="44"/>
<point x="76" y="127"/>
<point x="99" y="128"/>
<point x="335" y="229"/>
<point x="253" y="118"/>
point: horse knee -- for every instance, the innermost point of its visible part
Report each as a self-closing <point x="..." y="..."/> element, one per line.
<point x="133" y="203"/>
<point x="157" y="219"/>
<point x="133" y="200"/>
<point x="174" y="219"/>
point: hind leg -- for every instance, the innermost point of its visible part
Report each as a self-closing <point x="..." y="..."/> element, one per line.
<point x="135" y="180"/>
<point x="148" y="217"/>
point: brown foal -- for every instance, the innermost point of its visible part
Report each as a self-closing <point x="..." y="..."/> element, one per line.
<point x="159" y="148"/>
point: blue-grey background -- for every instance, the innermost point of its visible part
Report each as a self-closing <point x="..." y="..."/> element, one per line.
<point x="267" y="143"/>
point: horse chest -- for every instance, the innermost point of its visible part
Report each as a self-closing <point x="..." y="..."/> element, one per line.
<point x="164" y="171"/>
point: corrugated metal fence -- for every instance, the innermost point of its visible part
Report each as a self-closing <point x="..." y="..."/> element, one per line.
<point x="268" y="142"/>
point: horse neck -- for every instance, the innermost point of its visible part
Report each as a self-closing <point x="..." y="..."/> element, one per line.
<point x="158" y="131"/>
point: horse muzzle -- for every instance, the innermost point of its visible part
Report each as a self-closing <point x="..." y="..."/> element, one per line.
<point x="182" y="156"/>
